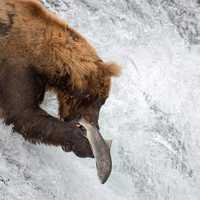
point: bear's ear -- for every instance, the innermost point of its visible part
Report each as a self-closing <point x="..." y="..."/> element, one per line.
<point x="111" y="69"/>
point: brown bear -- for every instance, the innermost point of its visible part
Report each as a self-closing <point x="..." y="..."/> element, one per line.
<point x="38" y="52"/>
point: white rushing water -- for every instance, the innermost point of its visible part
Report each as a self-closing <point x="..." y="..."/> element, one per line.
<point x="153" y="113"/>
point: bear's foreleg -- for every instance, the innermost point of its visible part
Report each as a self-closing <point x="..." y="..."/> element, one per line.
<point x="21" y="91"/>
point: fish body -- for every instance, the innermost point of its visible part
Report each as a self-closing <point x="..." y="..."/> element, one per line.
<point x="100" y="149"/>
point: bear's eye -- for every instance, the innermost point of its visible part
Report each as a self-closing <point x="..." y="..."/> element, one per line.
<point x="87" y="96"/>
<point x="86" y="100"/>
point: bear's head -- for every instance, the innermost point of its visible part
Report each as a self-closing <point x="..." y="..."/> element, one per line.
<point x="87" y="101"/>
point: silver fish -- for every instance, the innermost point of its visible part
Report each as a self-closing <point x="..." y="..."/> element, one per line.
<point x="100" y="149"/>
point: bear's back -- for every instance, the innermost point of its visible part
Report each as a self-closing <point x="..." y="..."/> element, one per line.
<point x="22" y="24"/>
<point x="33" y="36"/>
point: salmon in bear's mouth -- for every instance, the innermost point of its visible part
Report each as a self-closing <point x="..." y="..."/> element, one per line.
<point x="100" y="149"/>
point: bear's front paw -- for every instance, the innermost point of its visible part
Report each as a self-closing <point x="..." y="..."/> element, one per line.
<point x="80" y="144"/>
<point x="67" y="147"/>
<point x="77" y="142"/>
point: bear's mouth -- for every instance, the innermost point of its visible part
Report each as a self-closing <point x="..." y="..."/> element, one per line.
<point x="72" y="118"/>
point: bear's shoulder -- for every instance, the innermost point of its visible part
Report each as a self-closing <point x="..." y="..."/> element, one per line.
<point x="37" y="9"/>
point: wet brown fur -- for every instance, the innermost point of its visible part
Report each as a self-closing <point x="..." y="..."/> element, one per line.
<point x="39" y="51"/>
